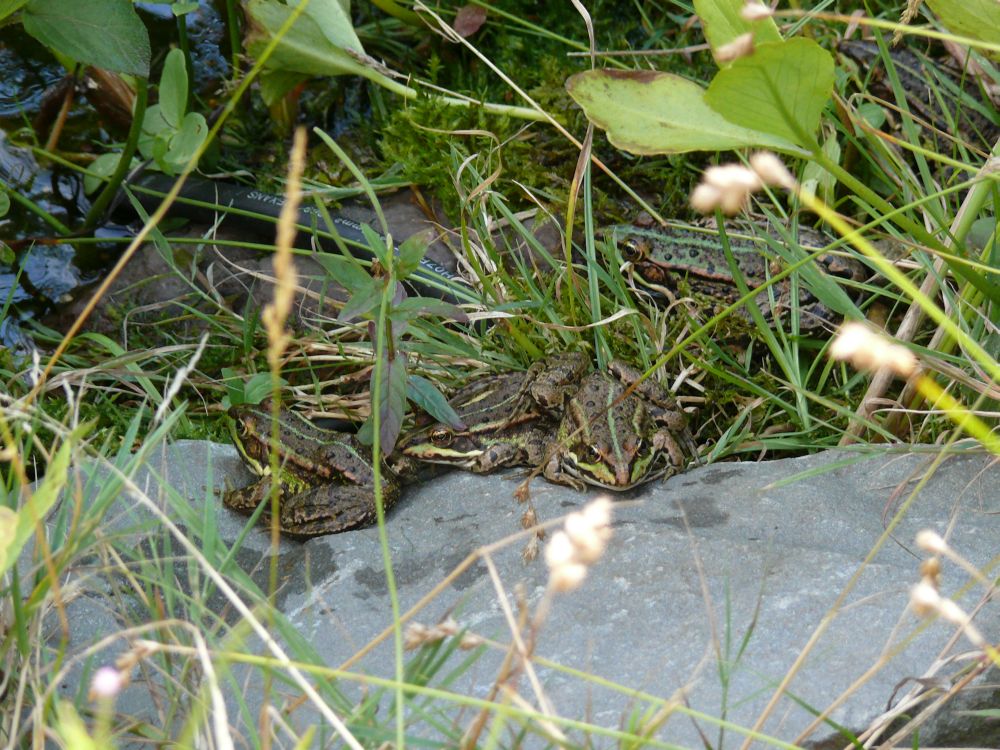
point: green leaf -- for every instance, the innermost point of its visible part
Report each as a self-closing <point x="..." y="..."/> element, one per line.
<point x="7" y="256"/>
<point x="647" y="112"/>
<point x="316" y="44"/>
<point x="105" y="33"/>
<point x="376" y="243"/>
<point x="977" y="19"/>
<point x="346" y="271"/>
<point x="101" y="167"/>
<point x="780" y="89"/>
<point x="722" y="23"/>
<point x="174" y="88"/>
<point x="362" y="301"/>
<point x="9" y="7"/>
<point x="185" y="142"/>
<point x="425" y="394"/>
<point x="413" y="306"/>
<point x="4" y="204"/>
<point x="409" y="255"/>
<point x="16" y="528"/>
<point x="182" y="9"/>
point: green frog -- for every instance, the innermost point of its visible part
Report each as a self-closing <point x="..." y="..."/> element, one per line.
<point x="580" y="428"/>
<point x="607" y="437"/>
<point x="663" y="258"/>
<point x="326" y="478"/>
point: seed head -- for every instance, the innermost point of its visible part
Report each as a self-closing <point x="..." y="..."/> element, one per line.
<point x="868" y="350"/>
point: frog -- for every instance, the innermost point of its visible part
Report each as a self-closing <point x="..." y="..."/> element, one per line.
<point x="664" y="258"/>
<point x="617" y="430"/>
<point x="326" y="478"/>
<point x="498" y="427"/>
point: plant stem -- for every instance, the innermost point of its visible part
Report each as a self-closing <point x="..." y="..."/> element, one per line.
<point x="138" y="113"/>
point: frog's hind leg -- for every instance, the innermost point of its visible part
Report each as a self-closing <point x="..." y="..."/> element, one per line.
<point x="330" y="509"/>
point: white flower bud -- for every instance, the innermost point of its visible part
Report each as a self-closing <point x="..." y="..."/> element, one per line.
<point x="741" y="46"/>
<point x="924" y="599"/>
<point x="931" y="541"/>
<point x="755" y="12"/>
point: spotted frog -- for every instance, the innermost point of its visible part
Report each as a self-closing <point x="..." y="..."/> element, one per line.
<point x="665" y="259"/>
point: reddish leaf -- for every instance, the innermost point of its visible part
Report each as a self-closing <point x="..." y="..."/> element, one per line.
<point x="469" y="19"/>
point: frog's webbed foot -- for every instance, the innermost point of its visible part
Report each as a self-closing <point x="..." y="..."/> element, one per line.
<point x="666" y="440"/>
<point x="553" y="472"/>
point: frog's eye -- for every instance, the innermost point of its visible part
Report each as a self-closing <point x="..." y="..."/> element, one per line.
<point x="638" y="444"/>
<point x="632" y="250"/>
<point x="593" y="455"/>
<point x="442" y="437"/>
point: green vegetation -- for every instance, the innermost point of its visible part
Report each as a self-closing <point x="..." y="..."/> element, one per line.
<point x="490" y="134"/>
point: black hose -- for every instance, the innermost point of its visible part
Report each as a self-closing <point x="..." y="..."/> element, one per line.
<point x="203" y="200"/>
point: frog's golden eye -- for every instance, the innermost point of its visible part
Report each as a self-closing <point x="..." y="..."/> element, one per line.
<point x="633" y="250"/>
<point x="593" y="455"/>
<point x="442" y="437"/>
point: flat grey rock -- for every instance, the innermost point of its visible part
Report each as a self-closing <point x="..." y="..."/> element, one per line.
<point x="720" y="575"/>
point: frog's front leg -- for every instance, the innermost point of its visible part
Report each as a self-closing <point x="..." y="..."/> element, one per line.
<point x="554" y="473"/>
<point x="664" y="440"/>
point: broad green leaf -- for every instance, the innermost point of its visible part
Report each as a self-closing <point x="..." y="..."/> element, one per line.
<point x="722" y="23"/>
<point x="34" y="510"/>
<point x="978" y="19"/>
<point x="186" y="141"/>
<point x="8" y="7"/>
<point x="4" y="204"/>
<point x="780" y="89"/>
<point x="425" y="394"/>
<point x="174" y="88"/>
<point x="309" y="47"/>
<point x="181" y="9"/>
<point x="647" y="112"/>
<point x="105" y="33"/>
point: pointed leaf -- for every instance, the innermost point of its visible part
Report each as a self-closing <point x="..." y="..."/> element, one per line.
<point x="425" y="394"/>
<point x="362" y="301"/>
<point x="409" y="254"/>
<point x="345" y="271"/>
<point x="780" y="89"/>
<point x="392" y="401"/>
<point x="647" y="112"/>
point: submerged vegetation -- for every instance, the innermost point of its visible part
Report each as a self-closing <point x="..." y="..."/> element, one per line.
<point x="535" y="139"/>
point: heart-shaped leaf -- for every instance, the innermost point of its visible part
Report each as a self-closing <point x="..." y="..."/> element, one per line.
<point x="780" y="89"/>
